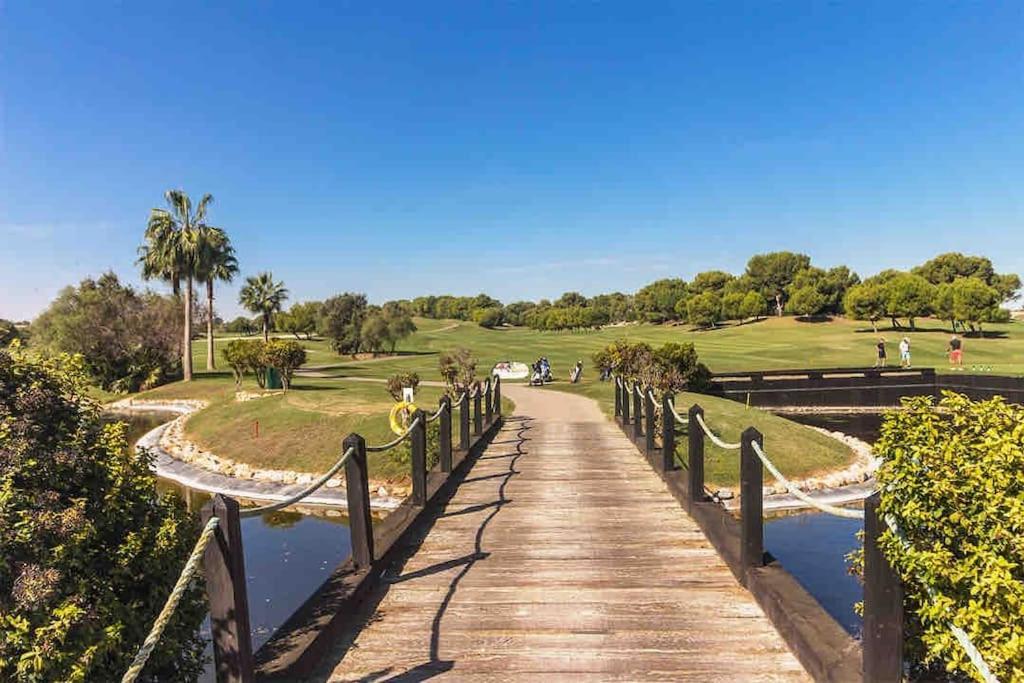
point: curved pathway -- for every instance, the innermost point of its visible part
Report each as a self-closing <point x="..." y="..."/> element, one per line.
<point x="562" y="556"/>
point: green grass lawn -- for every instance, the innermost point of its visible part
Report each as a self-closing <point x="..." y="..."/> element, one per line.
<point x="303" y="430"/>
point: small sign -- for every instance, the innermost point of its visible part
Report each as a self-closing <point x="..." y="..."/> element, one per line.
<point x="407" y="394"/>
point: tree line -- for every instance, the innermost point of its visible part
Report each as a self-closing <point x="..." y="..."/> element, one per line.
<point x="963" y="289"/>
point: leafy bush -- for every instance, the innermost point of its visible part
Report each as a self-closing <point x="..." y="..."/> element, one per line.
<point x="488" y="318"/>
<point x="286" y="356"/>
<point x="951" y="477"/>
<point x="90" y="551"/>
<point x="244" y="356"/>
<point x="672" y="367"/>
<point x="129" y="341"/>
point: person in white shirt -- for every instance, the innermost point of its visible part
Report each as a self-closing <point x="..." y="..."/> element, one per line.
<point x="905" y="353"/>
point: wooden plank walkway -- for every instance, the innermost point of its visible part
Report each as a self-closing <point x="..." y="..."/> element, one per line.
<point x="562" y="556"/>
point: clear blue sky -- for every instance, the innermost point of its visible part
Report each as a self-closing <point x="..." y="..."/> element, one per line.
<point x="522" y="149"/>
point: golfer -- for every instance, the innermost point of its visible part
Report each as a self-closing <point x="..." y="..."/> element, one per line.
<point x="956" y="353"/>
<point x="880" y="359"/>
<point x="905" y="353"/>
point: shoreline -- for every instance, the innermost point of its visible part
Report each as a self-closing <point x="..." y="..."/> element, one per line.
<point x="183" y="462"/>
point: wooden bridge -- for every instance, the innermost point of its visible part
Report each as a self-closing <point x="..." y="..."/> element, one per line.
<point x="553" y="544"/>
<point x="561" y="556"/>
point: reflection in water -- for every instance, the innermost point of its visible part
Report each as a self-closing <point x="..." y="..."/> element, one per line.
<point x="812" y="546"/>
<point x="287" y="554"/>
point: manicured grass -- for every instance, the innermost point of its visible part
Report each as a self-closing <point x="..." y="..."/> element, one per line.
<point x="303" y="430"/>
<point x="797" y="450"/>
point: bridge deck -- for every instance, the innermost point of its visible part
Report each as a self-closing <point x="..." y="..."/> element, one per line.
<point x="562" y="556"/>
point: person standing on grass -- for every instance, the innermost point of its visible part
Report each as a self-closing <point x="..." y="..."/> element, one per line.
<point x="880" y="359"/>
<point x="956" y="353"/>
<point x="905" y="352"/>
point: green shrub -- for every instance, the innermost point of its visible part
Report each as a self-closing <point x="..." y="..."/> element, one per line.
<point x="952" y="478"/>
<point x="90" y="551"/>
<point x="286" y="356"/>
<point x="244" y="356"/>
<point x="671" y="367"/>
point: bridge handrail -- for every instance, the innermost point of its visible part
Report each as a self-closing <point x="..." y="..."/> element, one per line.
<point x="162" y="619"/>
<point x="711" y="435"/>
<point x="304" y="493"/>
<point x="394" y="442"/>
<point x="797" y="372"/>
<point x="833" y="510"/>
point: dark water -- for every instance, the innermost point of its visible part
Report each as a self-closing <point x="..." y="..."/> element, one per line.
<point x="813" y="546"/>
<point x="287" y="555"/>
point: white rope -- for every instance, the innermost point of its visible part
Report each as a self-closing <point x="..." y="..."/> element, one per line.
<point x="440" y="409"/>
<point x="155" y="633"/>
<point x="679" y="418"/>
<point x="394" y="442"/>
<point x="253" y="512"/>
<point x="797" y="493"/>
<point x="961" y="636"/>
<point x="718" y="442"/>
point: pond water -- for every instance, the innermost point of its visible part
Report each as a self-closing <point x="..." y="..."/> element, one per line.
<point x="812" y="546"/>
<point x="287" y="555"/>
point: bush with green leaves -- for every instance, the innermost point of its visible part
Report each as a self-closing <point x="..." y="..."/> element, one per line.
<point x="671" y="367"/>
<point x="245" y="356"/>
<point x="286" y="356"/>
<point x="951" y="477"/>
<point x="90" y="550"/>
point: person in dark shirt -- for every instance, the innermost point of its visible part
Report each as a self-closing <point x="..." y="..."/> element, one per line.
<point x="880" y="359"/>
<point x="956" y="353"/>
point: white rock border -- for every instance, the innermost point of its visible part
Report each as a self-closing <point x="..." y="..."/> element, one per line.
<point x="174" y="443"/>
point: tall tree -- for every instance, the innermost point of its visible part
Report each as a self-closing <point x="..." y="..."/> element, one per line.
<point x="171" y="253"/>
<point x="216" y="261"/>
<point x="772" y="273"/>
<point x="264" y="297"/>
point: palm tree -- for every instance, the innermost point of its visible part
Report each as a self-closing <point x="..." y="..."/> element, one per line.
<point x="263" y="296"/>
<point x="171" y="253"/>
<point x="216" y="262"/>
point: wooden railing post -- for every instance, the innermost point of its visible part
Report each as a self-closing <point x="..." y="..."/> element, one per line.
<point x="224" y="567"/>
<point x="883" y="605"/>
<point x="618" y="397"/>
<point x="488" y="406"/>
<point x="650" y="417"/>
<point x="497" y="396"/>
<point x="444" y="433"/>
<point x="357" y="491"/>
<point x="638" y="417"/>
<point x="464" y="421"/>
<point x="625" y="405"/>
<point x="751" y="503"/>
<point x="478" y="416"/>
<point x="695" y="456"/>
<point x="668" y="434"/>
<point x="418" y="441"/>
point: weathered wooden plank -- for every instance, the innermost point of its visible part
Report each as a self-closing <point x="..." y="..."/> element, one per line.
<point x="562" y="556"/>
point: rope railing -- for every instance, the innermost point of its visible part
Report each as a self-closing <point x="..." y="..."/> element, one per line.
<point x="714" y="439"/>
<point x="675" y="413"/>
<point x="394" y="442"/>
<point x="970" y="649"/>
<point x="440" y="409"/>
<point x="162" y="619"/>
<point x="292" y="500"/>
<point x="797" y="493"/>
